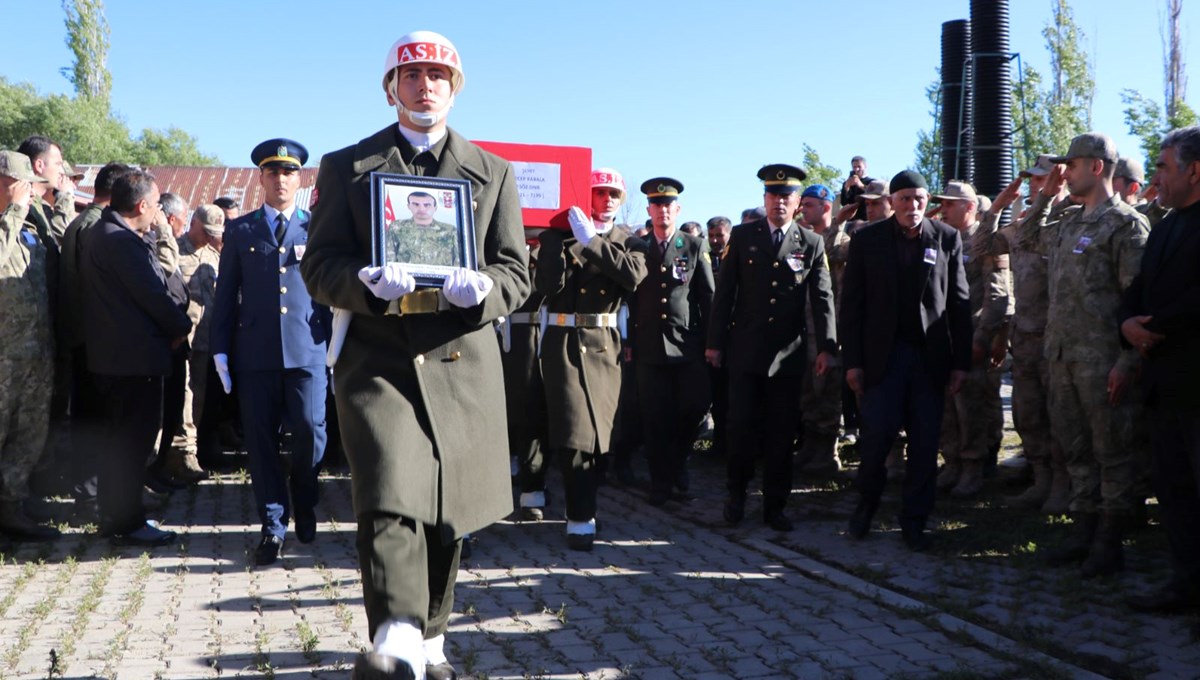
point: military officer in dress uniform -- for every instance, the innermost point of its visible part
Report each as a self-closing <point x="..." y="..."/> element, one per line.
<point x="585" y="275"/>
<point x="269" y="338"/>
<point x="670" y="311"/>
<point x="771" y="271"/>
<point x="420" y="392"/>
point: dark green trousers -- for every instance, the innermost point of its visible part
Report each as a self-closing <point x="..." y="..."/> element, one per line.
<point x="407" y="572"/>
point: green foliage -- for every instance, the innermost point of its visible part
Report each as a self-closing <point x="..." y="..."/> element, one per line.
<point x="820" y="173"/>
<point x="87" y="36"/>
<point x="1145" y="120"/>
<point x="929" y="142"/>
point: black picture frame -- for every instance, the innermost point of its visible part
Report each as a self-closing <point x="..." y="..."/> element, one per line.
<point x="426" y="257"/>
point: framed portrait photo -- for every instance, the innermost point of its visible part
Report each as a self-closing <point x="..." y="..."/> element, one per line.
<point x="424" y="223"/>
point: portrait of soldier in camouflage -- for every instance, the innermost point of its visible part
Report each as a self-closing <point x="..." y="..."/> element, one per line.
<point x="421" y="239"/>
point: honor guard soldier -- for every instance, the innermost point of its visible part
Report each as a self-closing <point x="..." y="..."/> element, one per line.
<point x="525" y="397"/>
<point x="420" y="391"/>
<point x="771" y="271"/>
<point x="670" y="311"/>
<point x="584" y="275"/>
<point x="269" y="338"/>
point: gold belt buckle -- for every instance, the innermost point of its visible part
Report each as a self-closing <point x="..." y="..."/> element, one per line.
<point x="420" y="302"/>
<point x="561" y="320"/>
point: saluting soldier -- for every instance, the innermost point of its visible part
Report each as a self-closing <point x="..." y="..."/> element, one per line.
<point x="421" y="239"/>
<point x="771" y="272"/>
<point x="670" y="311"/>
<point x="585" y="275"/>
<point x="269" y="336"/>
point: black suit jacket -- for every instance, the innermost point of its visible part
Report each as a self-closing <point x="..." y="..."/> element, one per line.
<point x="129" y="317"/>
<point x="1168" y="289"/>
<point x="870" y="288"/>
<point x="758" y="319"/>
<point x="671" y="305"/>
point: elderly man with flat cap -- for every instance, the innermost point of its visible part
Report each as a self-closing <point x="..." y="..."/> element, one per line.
<point x="268" y="340"/>
<point x="772" y="271"/>
<point x="906" y="339"/>
<point x="1093" y="254"/>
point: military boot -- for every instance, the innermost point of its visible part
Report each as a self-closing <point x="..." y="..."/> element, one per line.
<point x="17" y="525"/>
<point x="1036" y="495"/>
<point x="184" y="467"/>
<point x="1079" y="545"/>
<point x="1058" y="502"/>
<point x="822" y="456"/>
<point x="1106" y="555"/>
<point x="970" y="482"/>
<point x="948" y="478"/>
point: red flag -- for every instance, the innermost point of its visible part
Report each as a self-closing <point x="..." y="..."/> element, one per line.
<point x="388" y="215"/>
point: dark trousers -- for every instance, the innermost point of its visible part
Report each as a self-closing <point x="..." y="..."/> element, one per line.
<point x="132" y="415"/>
<point x="849" y="408"/>
<point x="174" y="389"/>
<point x="678" y="395"/>
<point x="294" y="397"/>
<point x="579" y="483"/>
<point x="1175" y="436"/>
<point x="531" y="475"/>
<point x="906" y="397"/>
<point x="627" y="424"/>
<point x="87" y="427"/>
<point x="218" y="408"/>
<point x="763" y="412"/>
<point x="719" y="384"/>
<point x="407" y="572"/>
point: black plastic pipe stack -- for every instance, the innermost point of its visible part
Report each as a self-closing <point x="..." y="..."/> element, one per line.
<point x="956" y="102"/>
<point x="992" y="90"/>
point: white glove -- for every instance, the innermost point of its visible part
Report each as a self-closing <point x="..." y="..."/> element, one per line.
<point x="581" y="225"/>
<point x="388" y="282"/>
<point x="222" y="362"/>
<point x="466" y="287"/>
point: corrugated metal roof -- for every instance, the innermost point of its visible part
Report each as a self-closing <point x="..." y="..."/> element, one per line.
<point x="201" y="185"/>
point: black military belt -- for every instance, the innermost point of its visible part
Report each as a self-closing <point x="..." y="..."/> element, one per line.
<point x="425" y="301"/>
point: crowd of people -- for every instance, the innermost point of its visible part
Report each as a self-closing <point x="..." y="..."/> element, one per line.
<point x="828" y="315"/>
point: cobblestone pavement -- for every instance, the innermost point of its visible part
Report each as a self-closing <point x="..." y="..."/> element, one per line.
<point x="667" y="593"/>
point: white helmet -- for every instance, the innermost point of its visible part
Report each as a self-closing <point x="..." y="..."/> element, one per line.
<point x="425" y="47"/>
<point x="608" y="178"/>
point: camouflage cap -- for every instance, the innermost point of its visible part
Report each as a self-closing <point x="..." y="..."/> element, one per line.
<point x="1131" y="169"/>
<point x="1041" y="167"/>
<point x="957" y="190"/>
<point x="985" y="204"/>
<point x="1090" y="145"/>
<point x="70" y="171"/>
<point x="17" y="165"/>
<point x="212" y="218"/>
<point x="877" y="188"/>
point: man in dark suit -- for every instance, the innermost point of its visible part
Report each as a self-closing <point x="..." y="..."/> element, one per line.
<point x="132" y="325"/>
<point x="906" y="337"/>
<point x="420" y="391"/>
<point x="269" y="334"/>
<point x="771" y="271"/>
<point x="670" y="309"/>
<point x="1161" y="319"/>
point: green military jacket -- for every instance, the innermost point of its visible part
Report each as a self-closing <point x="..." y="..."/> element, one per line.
<point x="436" y="244"/>
<point x="25" y="319"/>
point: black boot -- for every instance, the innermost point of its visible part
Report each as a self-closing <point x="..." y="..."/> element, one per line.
<point x="1106" y="555"/>
<point x="1078" y="546"/>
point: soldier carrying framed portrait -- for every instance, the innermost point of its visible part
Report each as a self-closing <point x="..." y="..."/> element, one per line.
<point x="424" y="223"/>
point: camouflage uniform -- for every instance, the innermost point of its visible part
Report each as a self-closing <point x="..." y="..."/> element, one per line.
<point x="968" y="418"/>
<point x="1153" y="212"/>
<point x="1092" y="258"/>
<point x="26" y="353"/>
<point x="199" y="269"/>
<point x="436" y="244"/>
<point x="821" y="395"/>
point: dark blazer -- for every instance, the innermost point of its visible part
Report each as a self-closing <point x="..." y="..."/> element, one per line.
<point x="869" y="297"/>
<point x="758" y="319"/>
<point x="263" y="316"/>
<point x="129" y="317"/>
<point x="671" y="306"/>
<point x="1168" y="288"/>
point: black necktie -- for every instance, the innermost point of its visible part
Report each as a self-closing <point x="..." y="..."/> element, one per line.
<point x="280" y="228"/>
<point x="777" y="237"/>
<point x="662" y="249"/>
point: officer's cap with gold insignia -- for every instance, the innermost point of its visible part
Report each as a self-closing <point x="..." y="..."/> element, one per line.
<point x="781" y="178"/>
<point x="662" y="189"/>
<point x="279" y="153"/>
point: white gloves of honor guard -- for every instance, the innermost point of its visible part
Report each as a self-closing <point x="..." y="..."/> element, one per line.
<point x="466" y="287"/>
<point x="222" y="364"/>
<point x="388" y="282"/>
<point x="581" y="225"/>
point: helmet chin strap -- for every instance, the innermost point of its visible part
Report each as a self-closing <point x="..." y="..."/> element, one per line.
<point x="422" y="119"/>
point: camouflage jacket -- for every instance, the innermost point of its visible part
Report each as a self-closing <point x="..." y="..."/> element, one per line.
<point x="199" y="270"/>
<point x="1091" y="259"/>
<point x="435" y="244"/>
<point x="988" y="281"/>
<point x="25" y="321"/>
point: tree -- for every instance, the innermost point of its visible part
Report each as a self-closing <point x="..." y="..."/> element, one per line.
<point x="819" y="173"/>
<point x="929" y="142"/>
<point x="1072" y="84"/>
<point x="87" y="36"/>
<point x="1145" y="119"/>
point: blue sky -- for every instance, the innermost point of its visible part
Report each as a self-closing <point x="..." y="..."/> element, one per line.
<point x="706" y="92"/>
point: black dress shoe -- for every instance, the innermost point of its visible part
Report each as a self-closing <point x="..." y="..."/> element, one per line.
<point x="581" y="542"/>
<point x="1177" y="596"/>
<point x="658" y="497"/>
<point x="372" y="666"/>
<point x="917" y="540"/>
<point x="683" y="481"/>
<point x="306" y="530"/>
<point x="440" y="671"/>
<point x="531" y="514"/>
<point x="779" y="521"/>
<point x="860" y="522"/>
<point x="268" y="551"/>
<point x="735" y="510"/>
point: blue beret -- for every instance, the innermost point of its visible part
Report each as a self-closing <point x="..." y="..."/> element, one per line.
<point x="818" y="191"/>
